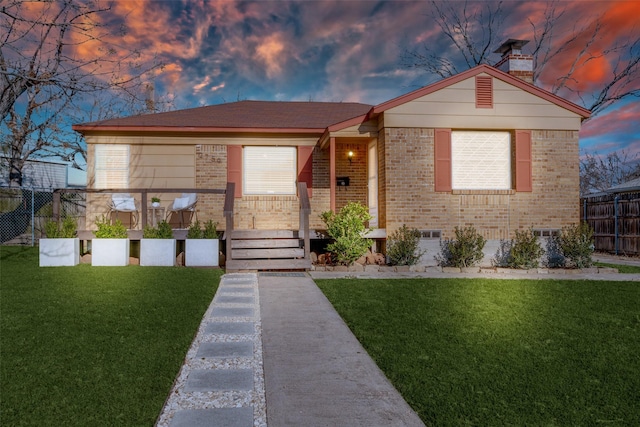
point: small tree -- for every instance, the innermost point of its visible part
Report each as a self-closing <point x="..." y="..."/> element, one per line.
<point x="463" y="251"/>
<point x="347" y="229"/>
<point x="402" y="246"/>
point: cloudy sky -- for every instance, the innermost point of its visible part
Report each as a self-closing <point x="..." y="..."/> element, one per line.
<point x="351" y="50"/>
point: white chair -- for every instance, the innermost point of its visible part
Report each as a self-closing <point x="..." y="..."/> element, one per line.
<point x="123" y="202"/>
<point x="185" y="204"/>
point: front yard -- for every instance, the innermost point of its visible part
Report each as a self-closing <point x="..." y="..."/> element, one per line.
<point x="93" y="345"/>
<point x="502" y="352"/>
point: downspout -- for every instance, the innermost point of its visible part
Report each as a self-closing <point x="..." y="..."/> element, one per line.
<point x="615" y="218"/>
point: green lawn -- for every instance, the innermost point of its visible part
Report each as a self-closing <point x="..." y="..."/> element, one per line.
<point x="622" y="268"/>
<point x="93" y="346"/>
<point x="502" y="352"/>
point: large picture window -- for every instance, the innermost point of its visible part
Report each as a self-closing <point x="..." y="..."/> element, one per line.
<point x="269" y="170"/>
<point x="111" y="166"/>
<point x="481" y="160"/>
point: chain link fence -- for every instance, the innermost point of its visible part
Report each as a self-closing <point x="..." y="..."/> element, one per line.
<point x="25" y="211"/>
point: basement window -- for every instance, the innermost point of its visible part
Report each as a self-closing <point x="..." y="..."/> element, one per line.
<point x="430" y="234"/>
<point x="546" y="232"/>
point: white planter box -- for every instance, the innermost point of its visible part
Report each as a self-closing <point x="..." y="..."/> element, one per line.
<point x="201" y="252"/>
<point x="59" y="252"/>
<point x="110" y="252"/>
<point x="158" y="252"/>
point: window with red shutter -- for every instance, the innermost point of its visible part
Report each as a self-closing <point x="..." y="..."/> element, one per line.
<point x="524" y="173"/>
<point x="442" y="157"/>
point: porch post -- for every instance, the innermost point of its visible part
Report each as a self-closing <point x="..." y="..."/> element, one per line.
<point x="332" y="173"/>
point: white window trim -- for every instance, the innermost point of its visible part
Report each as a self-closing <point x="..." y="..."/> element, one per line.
<point x="111" y="166"/>
<point x="269" y="170"/>
<point x="481" y="160"/>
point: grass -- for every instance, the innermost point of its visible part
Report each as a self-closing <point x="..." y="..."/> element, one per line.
<point x="502" y="352"/>
<point x="93" y="345"/>
<point x="625" y="269"/>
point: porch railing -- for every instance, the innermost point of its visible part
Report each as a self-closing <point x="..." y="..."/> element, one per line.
<point x="144" y="194"/>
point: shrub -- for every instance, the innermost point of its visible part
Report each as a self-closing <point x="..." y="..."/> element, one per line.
<point x="194" y="231"/>
<point x="576" y="245"/>
<point x="554" y="257"/>
<point x="162" y="231"/>
<point x="501" y="258"/>
<point x="347" y="228"/>
<point x="106" y="230"/>
<point x="210" y="230"/>
<point x="525" y="250"/>
<point x="402" y="246"/>
<point x="463" y="251"/>
<point x="67" y="229"/>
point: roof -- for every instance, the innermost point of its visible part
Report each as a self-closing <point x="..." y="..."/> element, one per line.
<point x="239" y="116"/>
<point x="494" y="72"/>
<point x="298" y="117"/>
<point x="631" y="185"/>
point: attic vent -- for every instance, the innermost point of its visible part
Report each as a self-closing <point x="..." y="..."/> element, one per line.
<point x="484" y="92"/>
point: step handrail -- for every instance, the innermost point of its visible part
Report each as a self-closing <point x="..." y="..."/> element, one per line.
<point x="305" y="211"/>
<point x="227" y="210"/>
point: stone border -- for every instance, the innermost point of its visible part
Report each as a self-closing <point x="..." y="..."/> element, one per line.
<point x="358" y="268"/>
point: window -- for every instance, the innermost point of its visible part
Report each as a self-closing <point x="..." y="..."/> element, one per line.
<point x="111" y="166"/>
<point x="481" y="160"/>
<point x="269" y="170"/>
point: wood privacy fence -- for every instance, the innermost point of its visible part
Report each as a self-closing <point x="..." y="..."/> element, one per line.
<point x="615" y="219"/>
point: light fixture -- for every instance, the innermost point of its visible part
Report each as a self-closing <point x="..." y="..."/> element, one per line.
<point x="350" y="156"/>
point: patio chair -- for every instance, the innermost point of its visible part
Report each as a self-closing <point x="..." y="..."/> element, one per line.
<point x="181" y="206"/>
<point x="124" y="203"/>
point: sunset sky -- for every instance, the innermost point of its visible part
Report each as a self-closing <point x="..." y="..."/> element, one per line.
<point x="350" y="50"/>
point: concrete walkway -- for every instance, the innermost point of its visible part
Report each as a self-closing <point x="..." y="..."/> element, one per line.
<point x="316" y="371"/>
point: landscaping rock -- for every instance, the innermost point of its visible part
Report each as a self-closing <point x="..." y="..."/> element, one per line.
<point x="450" y="270"/>
<point x="470" y="269"/>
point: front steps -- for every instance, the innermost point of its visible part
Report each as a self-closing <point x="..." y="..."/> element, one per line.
<point x="266" y="250"/>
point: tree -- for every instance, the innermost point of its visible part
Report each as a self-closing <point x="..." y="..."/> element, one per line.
<point x="474" y="45"/>
<point x="601" y="173"/>
<point x="46" y="74"/>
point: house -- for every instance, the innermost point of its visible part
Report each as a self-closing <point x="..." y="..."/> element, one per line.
<point x="484" y="148"/>
<point x="36" y="174"/>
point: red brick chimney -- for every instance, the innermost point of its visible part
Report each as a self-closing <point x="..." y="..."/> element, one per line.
<point x="514" y="61"/>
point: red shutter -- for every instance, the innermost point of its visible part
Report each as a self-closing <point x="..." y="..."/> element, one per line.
<point x="234" y="167"/>
<point x="484" y="92"/>
<point x="305" y="167"/>
<point x="524" y="176"/>
<point x="442" y="157"/>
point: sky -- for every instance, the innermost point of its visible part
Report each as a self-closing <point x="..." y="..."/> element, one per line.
<point x="351" y="50"/>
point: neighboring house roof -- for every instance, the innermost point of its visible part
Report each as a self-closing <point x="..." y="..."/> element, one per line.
<point x="239" y="116"/>
<point x="299" y="117"/>
<point x="632" y="185"/>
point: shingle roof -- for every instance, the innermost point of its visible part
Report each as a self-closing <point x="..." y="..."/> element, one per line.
<point x="241" y="115"/>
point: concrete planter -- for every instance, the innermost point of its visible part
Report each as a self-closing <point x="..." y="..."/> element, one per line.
<point x="110" y="252"/>
<point x="59" y="252"/>
<point x="158" y="252"/>
<point x="202" y="252"/>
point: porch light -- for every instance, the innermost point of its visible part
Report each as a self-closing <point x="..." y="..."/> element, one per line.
<point x="350" y="156"/>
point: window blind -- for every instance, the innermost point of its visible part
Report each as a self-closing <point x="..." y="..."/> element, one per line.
<point x="481" y="160"/>
<point x="269" y="170"/>
<point x="111" y="166"/>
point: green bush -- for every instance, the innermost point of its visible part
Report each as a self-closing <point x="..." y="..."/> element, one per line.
<point x="576" y="244"/>
<point x="65" y="230"/>
<point x="525" y="250"/>
<point x="402" y="246"/>
<point x="210" y="230"/>
<point x="347" y="229"/>
<point x="162" y="231"/>
<point x="106" y="230"/>
<point x="463" y="251"/>
<point x="554" y="257"/>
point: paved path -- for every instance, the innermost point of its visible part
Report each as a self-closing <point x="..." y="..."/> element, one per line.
<point x="316" y="371"/>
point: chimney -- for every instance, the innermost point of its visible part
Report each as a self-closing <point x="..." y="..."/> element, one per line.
<point x="514" y="61"/>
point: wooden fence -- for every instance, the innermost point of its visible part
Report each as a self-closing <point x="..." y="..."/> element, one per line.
<point x="615" y="219"/>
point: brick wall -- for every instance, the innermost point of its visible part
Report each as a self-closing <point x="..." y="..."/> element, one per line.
<point x="409" y="197"/>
